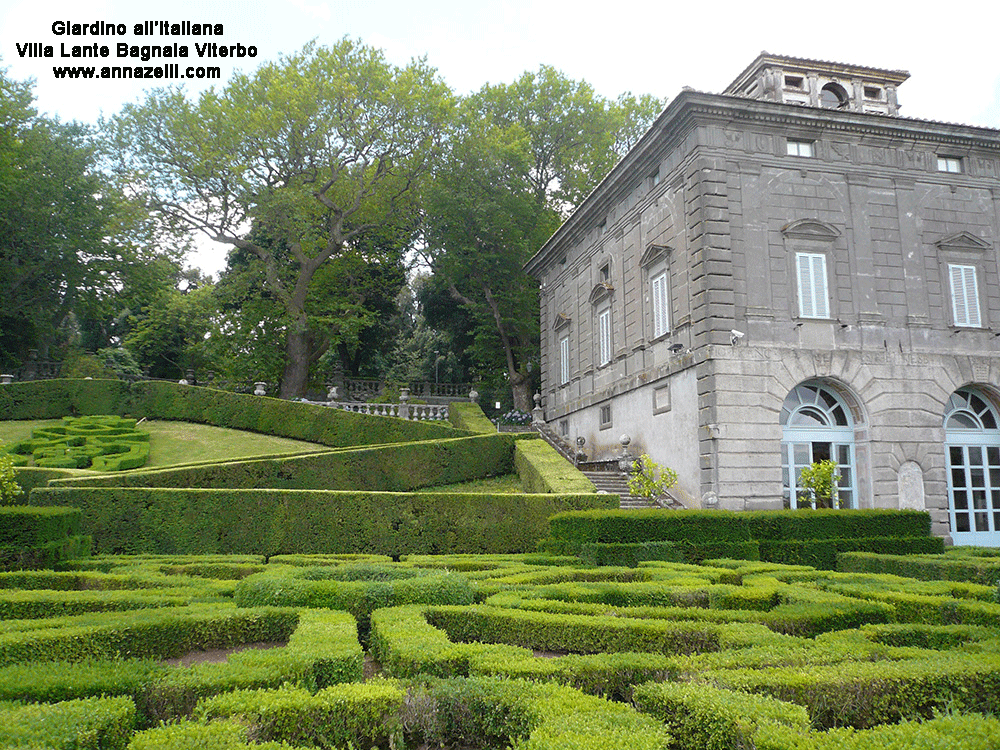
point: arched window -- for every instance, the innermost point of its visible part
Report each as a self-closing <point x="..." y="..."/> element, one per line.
<point x="972" y="443"/>
<point x="833" y="96"/>
<point x="816" y="426"/>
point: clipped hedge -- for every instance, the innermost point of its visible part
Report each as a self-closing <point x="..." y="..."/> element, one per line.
<point x="51" y="399"/>
<point x="947" y="567"/>
<point x="541" y="469"/>
<point x="702" y="716"/>
<point x="799" y="537"/>
<point x="157" y="633"/>
<point x="267" y="522"/>
<point x="33" y="537"/>
<point x="470" y="417"/>
<point x="100" y="442"/>
<point x="88" y="724"/>
<point x="389" y="468"/>
<point x="323" y="650"/>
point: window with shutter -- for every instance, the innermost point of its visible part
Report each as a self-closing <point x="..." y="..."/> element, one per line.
<point x="661" y="305"/>
<point x="964" y="296"/>
<point x="564" y="360"/>
<point x="604" y="333"/>
<point x="814" y="299"/>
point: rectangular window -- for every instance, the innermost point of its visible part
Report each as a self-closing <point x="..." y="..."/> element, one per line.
<point x="564" y="360"/>
<point x="605" y="416"/>
<point x="873" y="92"/>
<point x="814" y="299"/>
<point x="800" y="148"/>
<point x="964" y="296"/>
<point x="604" y="336"/>
<point x="949" y="164"/>
<point x="661" y="305"/>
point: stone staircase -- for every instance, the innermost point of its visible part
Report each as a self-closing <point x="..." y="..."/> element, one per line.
<point x="616" y="483"/>
<point x="602" y="475"/>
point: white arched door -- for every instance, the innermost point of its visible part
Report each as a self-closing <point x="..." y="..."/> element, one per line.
<point x="972" y="444"/>
<point x="816" y="426"/>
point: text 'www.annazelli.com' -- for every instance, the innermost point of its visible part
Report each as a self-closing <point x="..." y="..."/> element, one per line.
<point x="168" y="71"/>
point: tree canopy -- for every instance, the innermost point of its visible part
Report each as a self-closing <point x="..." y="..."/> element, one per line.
<point x="315" y="151"/>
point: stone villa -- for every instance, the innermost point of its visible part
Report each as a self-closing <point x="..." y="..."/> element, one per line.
<point x="787" y="272"/>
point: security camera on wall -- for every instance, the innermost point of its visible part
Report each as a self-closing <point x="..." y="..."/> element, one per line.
<point x="735" y="336"/>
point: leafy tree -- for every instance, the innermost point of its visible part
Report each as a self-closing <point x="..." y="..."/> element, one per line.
<point x="818" y="483"/>
<point x="316" y="151"/>
<point x="650" y="479"/>
<point x="522" y="156"/>
<point x="52" y="222"/>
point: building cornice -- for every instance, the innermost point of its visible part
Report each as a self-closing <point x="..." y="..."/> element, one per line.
<point x="691" y="109"/>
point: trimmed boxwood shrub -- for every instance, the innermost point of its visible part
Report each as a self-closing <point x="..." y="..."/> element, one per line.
<point x="470" y="417"/>
<point x="267" y="522"/>
<point x="88" y="724"/>
<point x="948" y="567"/>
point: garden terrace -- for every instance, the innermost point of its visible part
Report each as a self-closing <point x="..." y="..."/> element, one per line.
<point x="487" y="651"/>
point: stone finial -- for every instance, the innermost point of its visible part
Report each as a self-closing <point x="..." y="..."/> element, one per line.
<point x="538" y="413"/>
<point x="6" y="379"/>
<point x="260" y="389"/>
<point x="333" y="394"/>
<point x="627" y="461"/>
<point x="404" y="394"/>
<point x="474" y="396"/>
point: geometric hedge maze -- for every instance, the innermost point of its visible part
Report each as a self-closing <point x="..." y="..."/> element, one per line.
<point x="529" y="651"/>
<point x="101" y="443"/>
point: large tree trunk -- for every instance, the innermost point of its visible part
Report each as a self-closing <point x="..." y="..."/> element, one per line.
<point x="296" y="375"/>
<point x="520" y="390"/>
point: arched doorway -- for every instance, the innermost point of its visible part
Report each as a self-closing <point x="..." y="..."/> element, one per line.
<point x="972" y="444"/>
<point x="816" y="426"/>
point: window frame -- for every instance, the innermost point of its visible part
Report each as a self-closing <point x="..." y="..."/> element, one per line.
<point x="564" y="359"/>
<point x="799" y="147"/>
<point x="659" y="302"/>
<point x="605" y="348"/>
<point x="945" y="164"/>
<point x="962" y="294"/>
<point x="813" y="259"/>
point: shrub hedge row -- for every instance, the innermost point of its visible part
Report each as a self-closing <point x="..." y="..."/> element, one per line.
<point x="40" y="537"/>
<point x="480" y="712"/>
<point x="798" y="537"/>
<point x="389" y="468"/>
<point x="866" y="694"/>
<point x="100" y="442"/>
<point x="87" y="724"/>
<point x="323" y="650"/>
<point x="51" y="399"/>
<point x="153" y="633"/>
<point x="269" y="522"/>
<point x="470" y="417"/>
<point x="541" y="469"/>
<point x="948" y="567"/>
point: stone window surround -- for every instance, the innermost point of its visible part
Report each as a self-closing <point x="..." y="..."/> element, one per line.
<point x="964" y="249"/>
<point x="813" y="237"/>
<point x="654" y="262"/>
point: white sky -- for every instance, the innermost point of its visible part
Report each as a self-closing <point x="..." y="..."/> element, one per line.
<point x="642" y="47"/>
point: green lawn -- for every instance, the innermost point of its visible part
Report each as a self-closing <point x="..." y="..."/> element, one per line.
<point x="184" y="442"/>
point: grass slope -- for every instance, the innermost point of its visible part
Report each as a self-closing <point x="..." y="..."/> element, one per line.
<point x="184" y="442"/>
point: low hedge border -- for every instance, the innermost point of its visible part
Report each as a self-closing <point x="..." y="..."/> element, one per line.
<point x="31" y="605"/>
<point x="477" y="711"/>
<point x="408" y="646"/>
<point x="159" y="633"/>
<point x="270" y="522"/>
<point x="87" y="724"/>
<point x="323" y="650"/>
<point x="702" y="716"/>
<point x="949" y="567"/>
<point x="866" y="694"/>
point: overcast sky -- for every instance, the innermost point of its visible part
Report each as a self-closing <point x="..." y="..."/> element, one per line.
<point x="647" y="47"/>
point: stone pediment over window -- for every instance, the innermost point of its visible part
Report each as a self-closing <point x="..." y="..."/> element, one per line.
<point x="810" y="229"/>
<point x="654" y="254"/>
<point x="601" y="291"/>
<point x="963" y="241"/>
<point x="561" y="321"/>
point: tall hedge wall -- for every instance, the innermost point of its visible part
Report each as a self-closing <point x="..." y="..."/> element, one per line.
<point x="51" y="399"/>
<point x="543" y="470"/>
<point x="388" y="468"/>
<point x="269" y="522"/>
